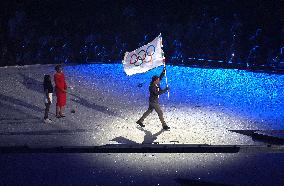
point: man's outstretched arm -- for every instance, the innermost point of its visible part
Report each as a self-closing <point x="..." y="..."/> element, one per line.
<point x="160" y="91"/>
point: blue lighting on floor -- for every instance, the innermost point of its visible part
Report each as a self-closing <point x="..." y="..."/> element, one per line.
<point x="255" y="96"/>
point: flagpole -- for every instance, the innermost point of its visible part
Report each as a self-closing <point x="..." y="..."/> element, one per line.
<point x="164" y="61"/>
<point x="166" y="78"/>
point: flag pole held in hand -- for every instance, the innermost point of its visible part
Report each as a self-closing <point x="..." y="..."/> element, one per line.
<point x="166" y="78"/>
<point x="164" y="61"/>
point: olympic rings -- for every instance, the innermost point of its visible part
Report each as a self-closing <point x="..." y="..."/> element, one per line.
<point x="140" y="58"/>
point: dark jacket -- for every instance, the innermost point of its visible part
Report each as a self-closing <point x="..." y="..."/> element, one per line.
<point x="155" y="90"/>
<point x="47" y="85"/>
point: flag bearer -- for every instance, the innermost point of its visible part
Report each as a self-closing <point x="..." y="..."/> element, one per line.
<point x="155" y="91"/>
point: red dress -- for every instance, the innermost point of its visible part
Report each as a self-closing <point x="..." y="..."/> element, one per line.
<point x="60" y="85"/>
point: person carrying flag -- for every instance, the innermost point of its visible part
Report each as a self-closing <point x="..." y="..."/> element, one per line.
<point x="141" y="60"/>
<point x="155" y="91"/>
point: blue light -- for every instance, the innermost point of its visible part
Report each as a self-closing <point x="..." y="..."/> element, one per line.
<point x="256" y="96"/>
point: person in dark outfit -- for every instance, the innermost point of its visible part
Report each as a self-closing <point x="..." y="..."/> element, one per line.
<point x="155" y="91"/>
<point x="48" y="90"/>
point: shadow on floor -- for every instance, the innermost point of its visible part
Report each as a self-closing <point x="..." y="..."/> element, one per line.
<point x="149" y="138"/>
<point x="123" y="140"/>
<point x="32" y="84"/>
<point x="94" y="106"/>
<point x="15" y="101"/>
<point x="270" y="139"/>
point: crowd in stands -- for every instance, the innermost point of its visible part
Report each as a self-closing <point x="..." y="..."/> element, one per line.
<point x="41" y="32"/>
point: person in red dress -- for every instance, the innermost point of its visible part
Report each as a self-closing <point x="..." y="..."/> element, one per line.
<point x="61" y="90"/>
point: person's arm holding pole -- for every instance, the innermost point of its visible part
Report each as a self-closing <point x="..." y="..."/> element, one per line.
<point x="165" y="73"/>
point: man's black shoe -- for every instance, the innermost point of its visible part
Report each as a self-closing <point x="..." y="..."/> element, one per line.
<point x="165" y="127"/>
<point x="140" y="123"/>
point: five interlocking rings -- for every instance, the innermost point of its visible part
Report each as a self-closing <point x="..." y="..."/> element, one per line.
<point x="140" y="58"/>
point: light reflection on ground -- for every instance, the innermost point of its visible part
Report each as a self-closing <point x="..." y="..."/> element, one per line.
<point x="204" y="105"/>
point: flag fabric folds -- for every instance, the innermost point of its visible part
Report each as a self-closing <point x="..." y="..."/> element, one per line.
<point x="144" y="58"/>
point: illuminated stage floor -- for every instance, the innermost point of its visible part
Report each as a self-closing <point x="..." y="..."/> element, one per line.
<point x="206" y="106"/>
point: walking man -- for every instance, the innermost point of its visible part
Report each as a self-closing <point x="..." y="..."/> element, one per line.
<point x="155" y="91"/>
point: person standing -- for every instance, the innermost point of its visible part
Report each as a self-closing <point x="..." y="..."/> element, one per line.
<point x="48" y="91"/>
<point x="61" y="90"/>
<point x="155" y="91"/>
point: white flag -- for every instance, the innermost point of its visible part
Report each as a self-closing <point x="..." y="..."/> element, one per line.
<point x="144" y="58"/>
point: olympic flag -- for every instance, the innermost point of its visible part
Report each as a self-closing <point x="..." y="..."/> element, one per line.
<point x="144" y="58"/>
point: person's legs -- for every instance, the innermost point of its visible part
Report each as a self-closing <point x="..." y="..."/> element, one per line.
<point x="57" y="105"/>
<point x="57" y="111"/>
<point x="150" y="109"/>
<point x="161" y="117"/>
<point x="62" y="104"/>
<point x="160" y="113"/>
<point x="61" y="111"/>
<point x="47" y="106"/>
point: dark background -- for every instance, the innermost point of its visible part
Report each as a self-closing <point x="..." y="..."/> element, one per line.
<point x="81" y="31"/>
